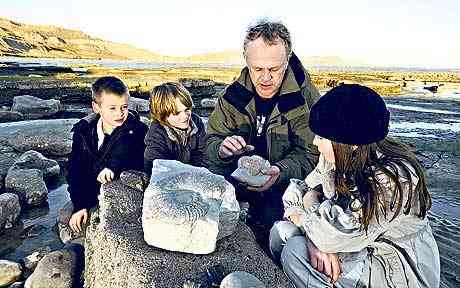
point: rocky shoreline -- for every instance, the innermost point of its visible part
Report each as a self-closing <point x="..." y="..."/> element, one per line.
<point x="35" y="140"/>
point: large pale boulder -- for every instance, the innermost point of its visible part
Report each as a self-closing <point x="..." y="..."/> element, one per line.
<point x="187" y="208"/>
<point x="49" y="137"/>
<point x="35" y="160"/>
<point x="9" y="272"/>
<point x="118" y="256"/>
<point x="9" y="210"/>
<point x="33" y="107"/>
<point x="28" y="184"/>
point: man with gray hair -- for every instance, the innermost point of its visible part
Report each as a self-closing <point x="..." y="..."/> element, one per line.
<point x="265" y="112"/>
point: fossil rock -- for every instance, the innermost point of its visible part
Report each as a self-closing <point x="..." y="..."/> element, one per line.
<point x="187" y="208"/>
<point x="251" y="170"/>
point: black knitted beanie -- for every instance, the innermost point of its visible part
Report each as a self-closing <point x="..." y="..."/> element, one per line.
<point x="350" y="114"/>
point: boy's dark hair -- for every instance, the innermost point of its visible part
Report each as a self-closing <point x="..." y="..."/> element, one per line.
<point x="271" y="32"/>
<point x="108" y="84"/>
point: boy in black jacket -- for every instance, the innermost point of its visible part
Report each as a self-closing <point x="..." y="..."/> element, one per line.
<point x="105" y="143"/>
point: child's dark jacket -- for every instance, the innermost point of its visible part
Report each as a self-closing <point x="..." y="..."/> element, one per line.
<point x="163" y="145"/>
<point x="123" y="151"/>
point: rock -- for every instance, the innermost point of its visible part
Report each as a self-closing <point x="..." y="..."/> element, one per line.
<point x="28" y="184"/>
<point x="35" y="160"/>
<point x="208" y="102"/>
<point x="241" y="279"/>
<point x="199" y="87"/>
<point x="187" y="209"/>
<point x="58" y="269"/>
<point x="17" y="285"/>
<point x="34" y="108"/>
<point x="9" y="210"/>
<point x="65" y="233"/>
<point x="49" y="137"/>
<point x="139" y="105"/>
<point x="31" y="261"/>
<point x="118" y="256"/>
<point x="251" y="170"/>
<point x="10" y="116"/>
<point x="9" y="272"/>
<point x="6" y="161"/>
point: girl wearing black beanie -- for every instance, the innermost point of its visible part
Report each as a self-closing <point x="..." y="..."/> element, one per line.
<point x="359" y="219"/>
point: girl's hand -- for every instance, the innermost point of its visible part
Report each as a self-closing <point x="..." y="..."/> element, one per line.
<point x="310" y="198"/>
<point x="326" y="263"/>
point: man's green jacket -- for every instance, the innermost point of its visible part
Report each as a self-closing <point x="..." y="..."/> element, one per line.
<point x="289" y="139"/>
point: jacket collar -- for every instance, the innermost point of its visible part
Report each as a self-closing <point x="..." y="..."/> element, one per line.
<point x="240" y="93"/>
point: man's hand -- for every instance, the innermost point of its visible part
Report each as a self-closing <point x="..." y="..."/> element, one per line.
<point x="105" y="176"/>
<point x="326" y="263"/>
<point x="78" y="218"/>
<point x="274" y="173"/>
<point x="233" y="145"/>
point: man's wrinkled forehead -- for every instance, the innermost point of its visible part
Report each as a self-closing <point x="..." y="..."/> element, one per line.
<point x="263" y="55"/>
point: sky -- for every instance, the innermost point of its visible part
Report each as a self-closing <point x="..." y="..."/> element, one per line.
<point x="404" y="33"/>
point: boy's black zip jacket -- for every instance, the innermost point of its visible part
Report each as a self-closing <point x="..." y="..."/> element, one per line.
<point x="123" y="151"/>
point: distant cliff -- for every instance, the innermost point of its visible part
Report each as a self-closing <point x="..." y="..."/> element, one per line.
<point x="24" y="40"/>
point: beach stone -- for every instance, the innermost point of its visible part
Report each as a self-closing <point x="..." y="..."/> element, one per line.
<point x="10" y="116"/>
<point x="241" y="279"/>
<point x="35" y="160"/>
<point x="17" y="285"/>
<point x="58" y="269"/>
<point x="208" y="102"/>
<point x="34" y="108"/>
<point x="116" y="254"/>
<point x="49" y="137"/>
<point x="9" y="210"/>
<point x="65" y="232"/>
<point x="10" y="272"/>
<point x="199" y="87"/>
<point x="251" y="170"/>
<point x="28" y="184"/>
<point x="139" y="105"/>
<point x="6" y="161"/>
<point x="31" y="261"/>
<point x="187" y="208"/>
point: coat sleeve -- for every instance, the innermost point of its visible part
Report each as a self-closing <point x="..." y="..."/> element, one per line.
<point x="221" y="124"/>
<point x="334" y="230"/>
<point x="156" y="147"/>
<point x="303" y="155"/>
<point x="198" y="154"/>
<point x="77" y="173"/>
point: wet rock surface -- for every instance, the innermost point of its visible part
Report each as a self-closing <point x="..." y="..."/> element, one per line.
<point x="34" y="108"/>
<point x="117" y="255"/>
<point x="59" y="269"/>
<point x="49" y="137"/>
<point x="35" y="160"/>
<point x="28" y="184"/>
<point x="9" y="210"/>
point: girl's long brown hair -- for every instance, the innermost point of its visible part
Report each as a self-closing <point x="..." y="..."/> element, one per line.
<point x="360" y="165"/>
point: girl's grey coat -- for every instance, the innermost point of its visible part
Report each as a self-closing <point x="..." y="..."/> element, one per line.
<point x="399" y="253"/>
